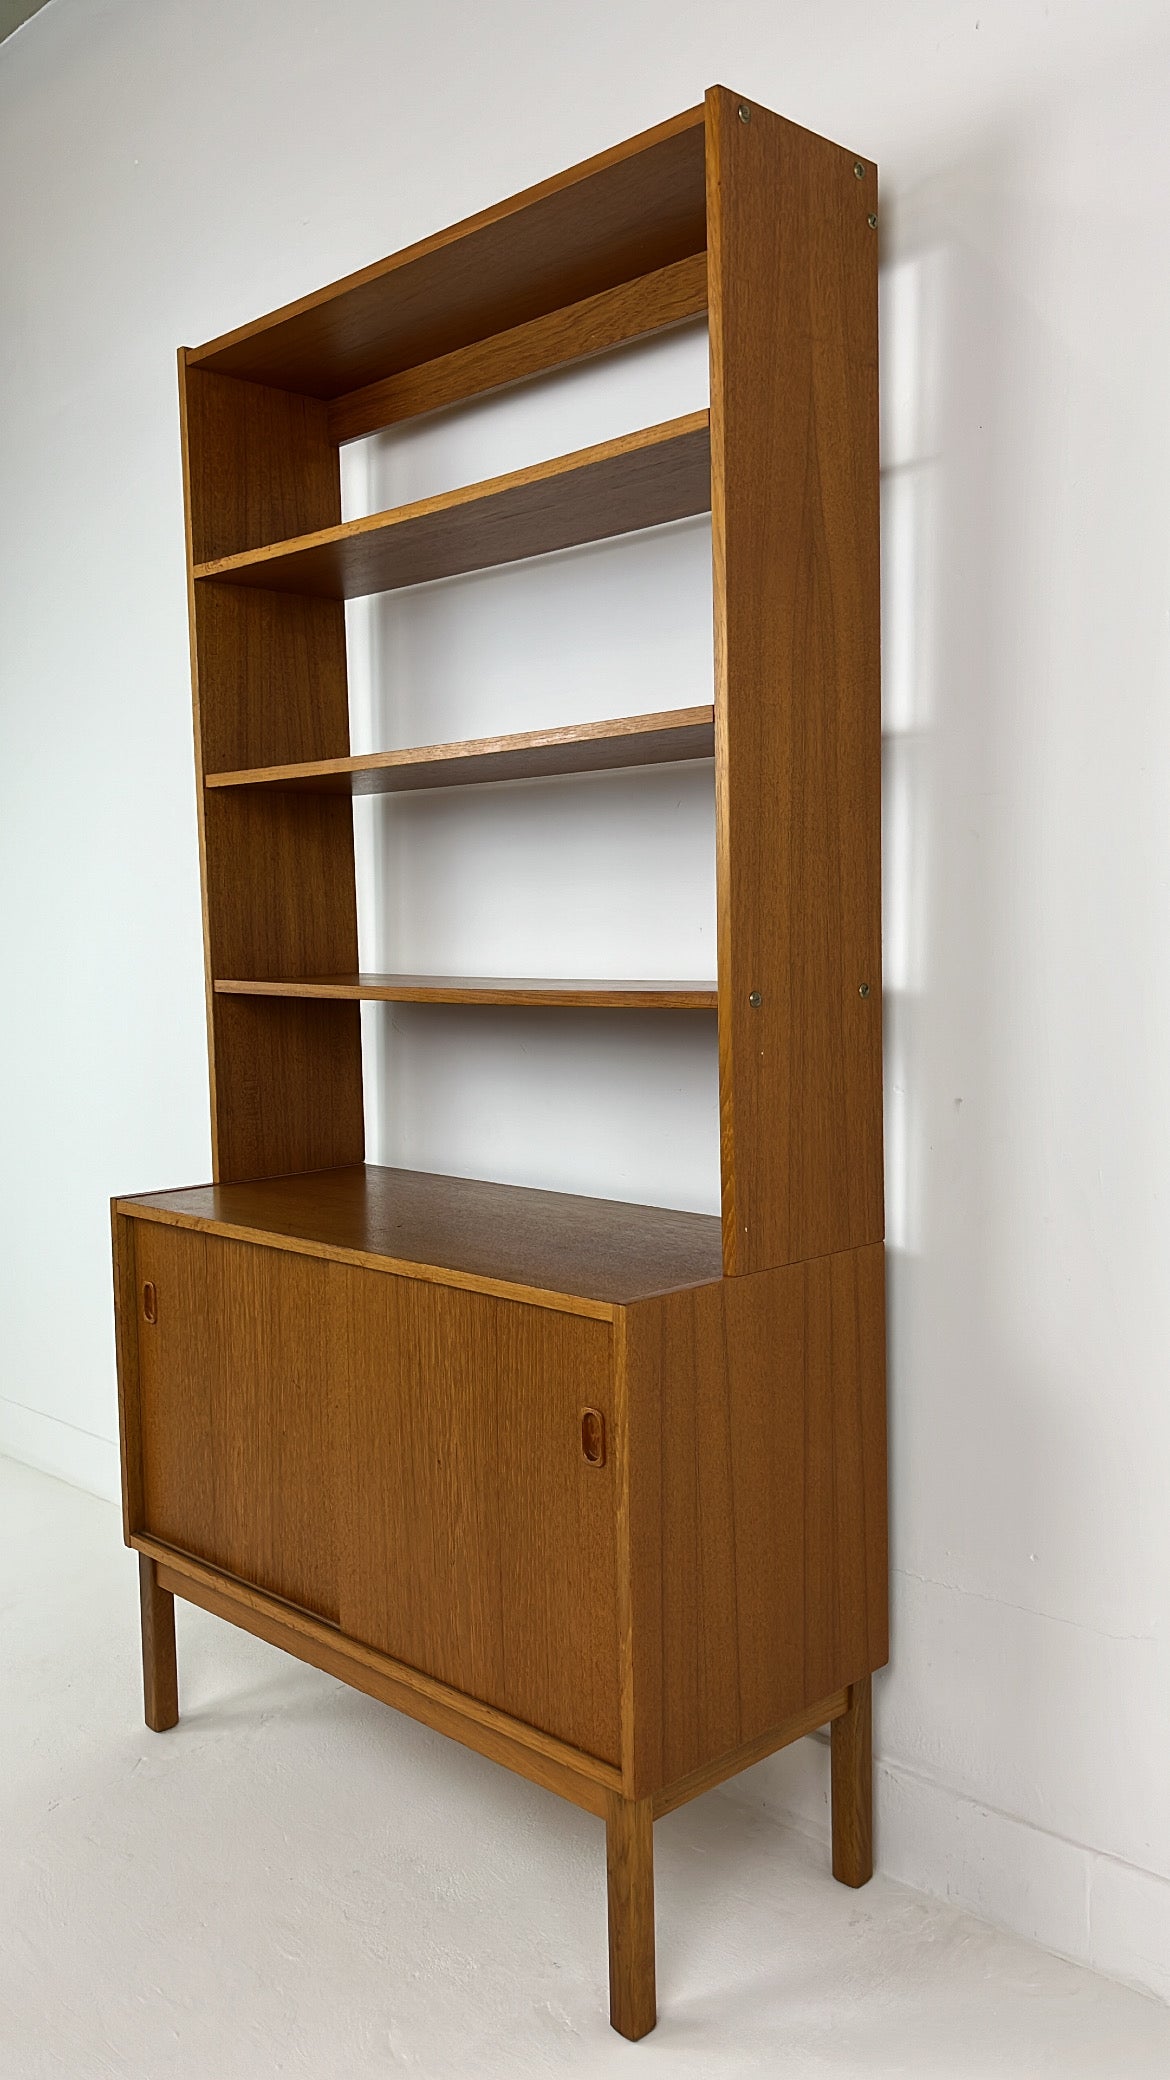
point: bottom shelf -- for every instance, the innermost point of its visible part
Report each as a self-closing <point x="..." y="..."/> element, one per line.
<point x="456" y="1230"/>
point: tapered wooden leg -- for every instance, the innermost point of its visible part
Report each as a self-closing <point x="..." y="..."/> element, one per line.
<point x="852" y="1771"/>
<point x="629" y="1854"/>
<point x="160" y="1676"/>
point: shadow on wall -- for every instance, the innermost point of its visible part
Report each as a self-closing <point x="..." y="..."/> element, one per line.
<point x="1026" y="662"/>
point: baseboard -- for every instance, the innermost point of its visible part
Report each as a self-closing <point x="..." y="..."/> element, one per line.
<point x="1072" y="1899"/>
<point x="59" y="1448"/>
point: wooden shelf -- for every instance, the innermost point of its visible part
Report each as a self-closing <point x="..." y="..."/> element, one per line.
<point x="460" y="1231"/>
<point x="623" y="214"/>
<point x="676" y="736"/>
<point x="642" y="480"/>
<point x="485" y="989"/>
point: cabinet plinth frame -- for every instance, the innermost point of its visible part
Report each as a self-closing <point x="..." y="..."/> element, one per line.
<point x="598" y="1490"/>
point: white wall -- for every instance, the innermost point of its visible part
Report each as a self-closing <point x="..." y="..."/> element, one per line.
<point x="169" y="170"/>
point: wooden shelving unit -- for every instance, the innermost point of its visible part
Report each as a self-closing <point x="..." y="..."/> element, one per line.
<point x="597" y="1489"/>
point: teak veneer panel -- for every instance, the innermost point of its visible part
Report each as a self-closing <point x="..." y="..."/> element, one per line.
<point x="594" y="1254"/>
<point x="624" y="213"/>
<point x="261" y="464"/>
<point x="483" y="989"/>
<point x="478" y="1544"/>
<point x="640" y="480"/>
<point x="238" y="1395"/>
<point x="794" y="479"/>
<point x="272" y="669"/>
<point x="674" y="736"/>
<point x="756" y="1506"/>
<point x="370" y="1449"/>
<point x="298" y="909"/>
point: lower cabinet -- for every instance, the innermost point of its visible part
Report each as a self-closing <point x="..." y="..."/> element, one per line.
<point x="650" y="1540"/>
<point x="410" y="1461"/>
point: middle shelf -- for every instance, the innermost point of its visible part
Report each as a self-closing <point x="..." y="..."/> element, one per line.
<point x="674" y="736"/>
<point x="642" y="480"/>
<point x="484" y="989"/>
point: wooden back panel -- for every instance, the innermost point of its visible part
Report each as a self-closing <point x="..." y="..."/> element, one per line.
<point x="792" y="298"/>
<point x="269" y="681"/>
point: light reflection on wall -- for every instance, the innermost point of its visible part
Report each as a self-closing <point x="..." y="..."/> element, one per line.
<point x="910" y="295"/>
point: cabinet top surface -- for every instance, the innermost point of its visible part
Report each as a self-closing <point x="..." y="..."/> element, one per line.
<point x="458" y="1230"/>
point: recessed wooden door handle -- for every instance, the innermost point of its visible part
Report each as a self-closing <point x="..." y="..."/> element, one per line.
<point x="149" y="1302"/>
<point x="593" y="1436"/>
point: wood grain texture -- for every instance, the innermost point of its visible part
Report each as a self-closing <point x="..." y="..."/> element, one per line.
<point x="476" y="1543"/>
<point x="482" y="989"/>
<point x="643" y="479"/>
<point x="852" y="1787"/>
<point x="160" y="1673"/>
<point x="126" y="1305"/>
<point x="269" y="683"/>
<point x="824" y="1713"/>
<point x="272" y="670"/>
<point x="622" y="214"/>
<point x="650" y="303"/>
<point x="293" y="915"/>
<point x="288" y="1092"/>
<point x="263" y="464"/>
<point x="588" y="1254"/>
<point x="671" y="737"/>
<point x="754" y="1419"/>
<point x="239" y="1418"/>
<point x="629" y="1858"/>
<point x="793" y="329"/>
<point x="580" y="1778"/>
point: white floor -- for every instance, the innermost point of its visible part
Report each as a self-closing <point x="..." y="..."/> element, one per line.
<point x="296" y="1881"/>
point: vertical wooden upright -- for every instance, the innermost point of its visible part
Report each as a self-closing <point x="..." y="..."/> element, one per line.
<point x="792" y="288"/>
<point x="269" y="686"/>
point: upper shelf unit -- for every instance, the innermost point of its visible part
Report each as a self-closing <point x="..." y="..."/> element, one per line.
<point x="625" y="214"/>
<point x="618" y="487"/>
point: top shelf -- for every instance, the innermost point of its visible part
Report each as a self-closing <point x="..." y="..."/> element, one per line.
<point x="618" y="487"/>
<point x="606" y="221"/>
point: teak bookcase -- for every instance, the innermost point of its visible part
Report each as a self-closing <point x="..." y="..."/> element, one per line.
<point x="597" y="1489"/>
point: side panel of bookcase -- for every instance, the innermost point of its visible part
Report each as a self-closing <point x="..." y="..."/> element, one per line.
<point x="792" y="273"/>
<point x="269" y="684"/>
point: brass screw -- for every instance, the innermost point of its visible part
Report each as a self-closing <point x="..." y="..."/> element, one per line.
<point x="859" y="169"/>
<point x="755" y="1000"/>
<point x="871" y="220"/>
<point x="864" y="990"/>
<point x="745" y="114"/>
